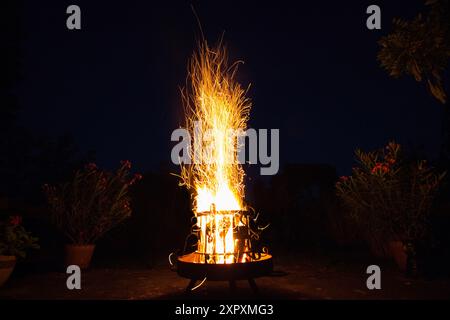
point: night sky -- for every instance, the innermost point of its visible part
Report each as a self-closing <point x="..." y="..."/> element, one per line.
<point x="114" y="84"/>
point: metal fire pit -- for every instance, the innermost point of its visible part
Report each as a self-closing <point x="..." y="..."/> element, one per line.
<point x="187" y="267"/>
<point x="246" y="262"/>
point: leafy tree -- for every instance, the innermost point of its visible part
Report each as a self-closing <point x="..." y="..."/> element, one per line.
<point x="420" y="47"/>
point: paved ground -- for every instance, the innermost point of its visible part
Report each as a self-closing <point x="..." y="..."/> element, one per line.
<point x="300" y="277"/>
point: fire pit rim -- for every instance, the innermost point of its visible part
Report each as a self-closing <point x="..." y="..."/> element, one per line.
<point x="224" y="271"/>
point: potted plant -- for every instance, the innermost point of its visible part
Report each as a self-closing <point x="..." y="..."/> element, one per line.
<point x="390" y="199"/>
<point x="14" y="241"/>
<point x="87" y="206"/>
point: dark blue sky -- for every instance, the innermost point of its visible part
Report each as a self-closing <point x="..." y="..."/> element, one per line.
<point x="114" y="85"/>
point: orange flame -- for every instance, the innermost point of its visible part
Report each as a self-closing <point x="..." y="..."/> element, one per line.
<point x="216" y="109"/>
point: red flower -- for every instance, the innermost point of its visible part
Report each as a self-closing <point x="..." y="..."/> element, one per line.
<point x="15" y="220"/>
<point x="343" y="178"/>
<point x="380" y="167"/>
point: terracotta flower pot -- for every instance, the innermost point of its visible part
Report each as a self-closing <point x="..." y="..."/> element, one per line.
<point x="399" y="254"/>
<point x="79" y="255"/>
<point x="7" y="264"/>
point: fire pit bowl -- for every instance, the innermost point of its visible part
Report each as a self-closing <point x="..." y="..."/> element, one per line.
<point x="187" y="267"/>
